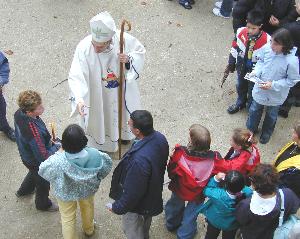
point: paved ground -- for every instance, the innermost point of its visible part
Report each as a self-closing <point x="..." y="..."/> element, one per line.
<point x="186" y="54"/>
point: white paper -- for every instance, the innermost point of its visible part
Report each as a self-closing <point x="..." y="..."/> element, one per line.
<point x="253" y="78"/>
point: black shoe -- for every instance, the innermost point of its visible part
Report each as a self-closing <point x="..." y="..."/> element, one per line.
<point x="234" y="109"/>
<point x="283" y="113"/>
<point x="186" y="5"/>
<point x="264" y="139"/>
<point x="10" y="133"/>
<point x="24" y="195"/>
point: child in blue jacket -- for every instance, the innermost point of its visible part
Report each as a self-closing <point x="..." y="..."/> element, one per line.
<point x="219" y="209"/>
<point x="277" y="70"/>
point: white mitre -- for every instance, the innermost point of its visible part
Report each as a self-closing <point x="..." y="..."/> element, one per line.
<point x="103" y="27"/>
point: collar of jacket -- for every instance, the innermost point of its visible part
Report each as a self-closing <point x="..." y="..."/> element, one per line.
<point x="135" y="147"/>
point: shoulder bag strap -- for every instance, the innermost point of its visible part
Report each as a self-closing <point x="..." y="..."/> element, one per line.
<point x="281" y="207"/>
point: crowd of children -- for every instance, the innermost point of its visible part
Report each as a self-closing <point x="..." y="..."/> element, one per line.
<point x="242" y="193"/>
<point x="272" y="67"/>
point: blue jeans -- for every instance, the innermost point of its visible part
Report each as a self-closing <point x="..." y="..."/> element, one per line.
<point x="226" y="8"/>
<point x="181" y="217"/>
<point x="243" y="86"/>
<point x="254" y="117"/>
<point x="3" y="121"/>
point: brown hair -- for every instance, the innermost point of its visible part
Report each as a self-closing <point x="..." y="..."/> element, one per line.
<point x="243" y="138"/>
<point x="29" y="100"/>
<point x="297" y="129"/>
<point x="200" y="138"/>
<point x="264" y="179"/>
<point x="283" y="37"/>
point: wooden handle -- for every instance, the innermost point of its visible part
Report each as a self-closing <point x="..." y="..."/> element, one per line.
<point x="120" y="118"/>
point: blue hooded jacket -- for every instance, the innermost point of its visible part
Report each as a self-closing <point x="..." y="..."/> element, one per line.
<point x="220" y="207"/>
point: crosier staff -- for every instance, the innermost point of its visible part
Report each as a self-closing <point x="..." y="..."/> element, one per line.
<point x="121" y="80"/>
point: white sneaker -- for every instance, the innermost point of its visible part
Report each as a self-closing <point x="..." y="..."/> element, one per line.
<point x="218" y="4"/>
<point x="216" y="12"/>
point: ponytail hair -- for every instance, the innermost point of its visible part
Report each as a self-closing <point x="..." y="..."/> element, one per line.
<point x="243" y="138"/>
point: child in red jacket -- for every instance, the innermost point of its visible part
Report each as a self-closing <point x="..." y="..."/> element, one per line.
<point x="243" y="155"/>
<point x="189" y="169"/>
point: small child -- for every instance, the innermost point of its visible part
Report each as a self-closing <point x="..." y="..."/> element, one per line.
<point x="189" y="170"/>
<point x="249" y="42"/>
<point x="219" y="209"/>
<point x="243" y="155"/>
<point x="278" y="70"/>
<point x="75" y="173"/>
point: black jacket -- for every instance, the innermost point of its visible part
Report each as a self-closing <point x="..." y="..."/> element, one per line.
<point x="137" y="181"/>
<point x="240" y="11"/>
<point x="283" y="10"/>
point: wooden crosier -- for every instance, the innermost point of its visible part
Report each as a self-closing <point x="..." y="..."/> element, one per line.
<point x="121" y="80"/>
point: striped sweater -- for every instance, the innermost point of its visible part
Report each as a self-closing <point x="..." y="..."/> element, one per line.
<point x="33" y="139"/>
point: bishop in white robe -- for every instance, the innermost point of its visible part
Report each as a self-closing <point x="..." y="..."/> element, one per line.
<point x="93" y="82"/>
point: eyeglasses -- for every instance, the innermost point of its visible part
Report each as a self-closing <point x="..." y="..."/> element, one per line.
<point x="102" y="44"/>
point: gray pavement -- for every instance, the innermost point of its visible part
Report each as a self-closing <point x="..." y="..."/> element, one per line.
<point x="186" y="54"/>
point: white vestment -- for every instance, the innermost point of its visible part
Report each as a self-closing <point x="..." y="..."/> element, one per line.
<point x="90" y="81"/>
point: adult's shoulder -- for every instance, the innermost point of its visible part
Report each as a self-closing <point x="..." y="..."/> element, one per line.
<point x="85" y="44"/>
<point x="290" y="195"/>
<point x="158" y="135"/>
<point x="2" y="56"/>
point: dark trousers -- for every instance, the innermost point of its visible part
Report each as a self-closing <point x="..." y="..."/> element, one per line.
<point x="34" y="181"/>
<point x="213" y="233"/>
<point x="243" y="86"/>
<point x="3" y="121"/>
<point x="292" y="99"/>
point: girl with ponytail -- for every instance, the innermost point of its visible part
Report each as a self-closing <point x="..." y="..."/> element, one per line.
<point x="243" y="155"/>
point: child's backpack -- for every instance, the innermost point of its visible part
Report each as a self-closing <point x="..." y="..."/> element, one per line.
<point x="284" y="228"/>
<point x="189" y="174"/>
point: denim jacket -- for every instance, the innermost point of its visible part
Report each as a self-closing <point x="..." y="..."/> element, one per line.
<point x="4" y="69"/>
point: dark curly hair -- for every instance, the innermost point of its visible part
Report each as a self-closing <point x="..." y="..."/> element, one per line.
<point x="264" y="179"/>
<point x="73" y="139"/>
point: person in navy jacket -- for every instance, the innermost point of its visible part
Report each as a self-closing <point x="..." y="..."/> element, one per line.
<point x="137" y="181"/>
<point x="35" y="146"/>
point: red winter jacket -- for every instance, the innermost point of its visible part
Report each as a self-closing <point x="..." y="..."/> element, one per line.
<point x="244" y="162"/>
<point x="190" y="174"/>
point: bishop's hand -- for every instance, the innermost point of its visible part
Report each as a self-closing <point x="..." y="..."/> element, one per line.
<point x="81" y="108"/>
<point x="123" y="58"/>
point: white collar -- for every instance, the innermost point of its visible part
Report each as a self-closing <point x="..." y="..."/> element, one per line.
<point x="231" y="195"/>
<point x="262" y="206"/>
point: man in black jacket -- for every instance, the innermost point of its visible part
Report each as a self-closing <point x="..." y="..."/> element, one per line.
<point x="137" y="181"/>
